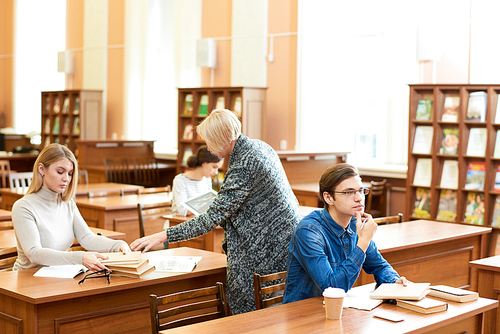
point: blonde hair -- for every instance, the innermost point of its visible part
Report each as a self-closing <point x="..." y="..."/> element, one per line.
<point x="49" y="155"/>
<point x="219" y="129"/>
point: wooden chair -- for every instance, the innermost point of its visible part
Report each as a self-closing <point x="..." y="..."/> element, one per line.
<point x="183" y="303"/>
<point x="7" y="258"/>
<point x="154" y="190"/>
<point x="20" y="180"/>
<point x="117" y="170"/>
<point x="260" y="292"/>
<point x="146" y="172"/>
<point x="105" y="193"/>
<point x="5" y="172"/>
<point x="152" y="212"/>
<point x="83" y="176"/>
<point x="389" y="219"/>
<point x="6" y="225"/>
<point x="376" y="204"/>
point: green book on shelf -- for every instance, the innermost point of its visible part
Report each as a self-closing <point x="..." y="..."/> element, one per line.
<point x="424" y="110"/>
<point x="55" y="129"/>
<point x="203" y="111"/>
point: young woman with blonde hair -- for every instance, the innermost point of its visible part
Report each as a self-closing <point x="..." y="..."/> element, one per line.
<point x="46" y="220"/>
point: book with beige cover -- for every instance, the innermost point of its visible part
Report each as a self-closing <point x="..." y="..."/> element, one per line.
<point x="413" y="291"/>
<point x="128" y="264"/>
<point x="425" y="305"/>
<point x="453" y="294"/>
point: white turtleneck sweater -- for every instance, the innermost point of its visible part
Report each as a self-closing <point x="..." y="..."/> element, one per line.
<point x="46" y="227"/>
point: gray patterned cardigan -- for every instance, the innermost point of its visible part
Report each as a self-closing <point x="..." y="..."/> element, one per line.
<point x="258" y="211"/>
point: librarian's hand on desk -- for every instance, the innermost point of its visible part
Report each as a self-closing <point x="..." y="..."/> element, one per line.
<point x="91" y="261"/>
<point x="149" y="241"/>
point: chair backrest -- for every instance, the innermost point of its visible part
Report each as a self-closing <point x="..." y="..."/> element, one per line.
<point x="376" y="204"/>
<point x="389" y="219"/>
<point x="149" y="212"/>
<point x="262" y="298"/>
<point x="105" y="193"/>
<point x="154" y="190"/>
<point x="7" y="258"/>
<point x="146" y="172"/>
<point x="83" y="176"/>
<point x="180" y="307"/>
<point x="4" y="172"/>
<point x="20" y="180"/>
<point x="117" y="170"/>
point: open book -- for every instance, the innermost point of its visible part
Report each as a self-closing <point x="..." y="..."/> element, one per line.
<point x="413" y="291"/>
<point x="200" y="204"/>
<point x="62" y="271"/>
<point x="174" y="264"/>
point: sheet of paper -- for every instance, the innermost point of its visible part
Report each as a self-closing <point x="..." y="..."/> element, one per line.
<point x="359" y="298"/>
<point x="174" y="264"/>
<point x="63" y="271"/>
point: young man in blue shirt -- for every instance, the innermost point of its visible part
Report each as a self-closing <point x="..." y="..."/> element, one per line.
<point x="329" y="247"/>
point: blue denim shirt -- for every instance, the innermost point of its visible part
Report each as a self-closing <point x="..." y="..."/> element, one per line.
<point x="323" y="254"/>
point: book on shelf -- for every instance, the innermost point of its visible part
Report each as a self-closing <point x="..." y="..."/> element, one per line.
<point x="203" y="111"/>
<point x="449" y="143"/>
<point x="495" y="221"/>
<point x="76" y="126"/>
<point x="66" y="141"/>
<point x="65" y="129"/>
<point x="447" y="208"/>
<point x="237" y="106"/>
<point x="188" y="105"/>
<point x="497" y="113"/>
<point x="57" y="106"/>
<point x="188" y="132"/>
<point x="47" y="103"/>
<point x="496" y="186"/>
<point x="477" y="142"/>
<point x="474" y="211"/>
<point x="422" y="206"/>
<point x="55" y="129"/>
<point x="221" y="103"/>
<point x="424" y="110"/>
<point x="476" y="173"/>
<point x="453" y="294"/>
<point x="65" y="107"/>
<point x="187" y="153"/>
<point x="76" y="109"/>
<point x="422" y="143"/>
<point x="413" y="291"/>
<point x="47" y="141"/>
<point x="476" y="109"/>
<point x="425" y="305"/>
<point x="423" y="172"/>
<point x="56" y="140"/>
<point x="496" y="151"/>
<point x="449" y="176"/>
<point x="47" y="125"/>
<point x="450" y="110"/>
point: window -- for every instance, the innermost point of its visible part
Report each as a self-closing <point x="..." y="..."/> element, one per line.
<point x="35" y="58"/>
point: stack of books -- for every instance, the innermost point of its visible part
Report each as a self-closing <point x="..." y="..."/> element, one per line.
<point x="128" y="264"/>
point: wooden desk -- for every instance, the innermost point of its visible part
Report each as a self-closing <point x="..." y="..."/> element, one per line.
<point x="8" y="237"/>
<point x="119" y="213"/>
<point x="435" y="252"/>
<point x="308" y="316"/>
<point x="5" y="215"/>
<point x="489" y="287"/>
<point x="9" y="196"/>
<point x="20" y="162"/>
<point x="122" y="306"/>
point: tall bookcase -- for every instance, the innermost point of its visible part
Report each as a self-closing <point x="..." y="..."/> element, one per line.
<point x="72" y="114"/>
<point x="196" y="103"/>
<point x="438" y="94"/>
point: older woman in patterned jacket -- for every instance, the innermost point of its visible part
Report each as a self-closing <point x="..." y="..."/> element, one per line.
<point x="255" y="206"/>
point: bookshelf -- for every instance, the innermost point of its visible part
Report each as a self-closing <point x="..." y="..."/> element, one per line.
<point x="196" y="103"/>
<point x="458" y="143"/>
<point x="69" y="115"/>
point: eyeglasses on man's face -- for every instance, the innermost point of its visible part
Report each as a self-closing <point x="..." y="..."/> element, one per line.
<point x="97" y="274"/>
<point x="352" y="192"/>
